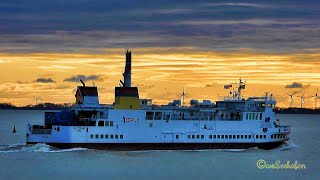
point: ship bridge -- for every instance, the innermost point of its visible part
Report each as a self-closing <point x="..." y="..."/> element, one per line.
<point x="261" y="103"/>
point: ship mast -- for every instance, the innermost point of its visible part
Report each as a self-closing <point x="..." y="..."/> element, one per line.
<point x="127" y="70"/>
<point x="242" y="85"/>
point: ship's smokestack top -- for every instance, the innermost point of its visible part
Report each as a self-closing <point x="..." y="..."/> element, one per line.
<point x="127" y="71"/>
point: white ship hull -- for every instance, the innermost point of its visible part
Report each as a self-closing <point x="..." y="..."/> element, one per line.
<point x="131" y="131"/>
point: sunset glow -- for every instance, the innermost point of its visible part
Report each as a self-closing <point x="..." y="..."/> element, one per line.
<point x="192" y="46"/>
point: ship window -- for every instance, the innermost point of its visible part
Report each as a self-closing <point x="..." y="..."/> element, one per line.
<point x="107" y="123"/>
<point x="264" y="136"/>
<point x="260" y="116"/>
<point x="177" y="136"/>
<point x="245" y="136"/>
<point x="269" y="105"/>
<point x="230" y="136"/>
<point x="257" y="136"/>
<point x="257" y="116"/>
<point x="101" y="136"/>
<point x="100" y="123"/>
<point x="166" y="116"/>
<point x="210" y="136"/>
<point x="222" y="136"/>
<point x="202" y="136"/>
<point x="130" y="106"/>
<point x="116" y="136"/>
<point x="121" y="136"/>
<point x="260" y="136"/>
<point x="250" y="116"/>
<point x="271" y="136"/>
<point x="218" y="136"/>
<point x="241" y="136"/>
<point x="193" y="136"/>
<point x="91" y="136"/>
<point x="106" y="136"/>
<point x="149" y="115"/>
<point x="111" y="123"/>
<point x="214" y="136"/>
<point x="92" y="123"/>
<point x="111" y="136"/>
<point x="97" y="136"/>
<point x="189" y="136"/>
<point x="249" y="136"/>
<point x="263" y="105"/>
<point x="234" y="136"/>
<point x="247" y="115"/>
<point x="198" y="136"/>
<point x="238" y="136"/>
<point x="158" y="116"/>
<point x="226" y="136"/>
<point x="150" y="124"/>
<point x="58" y="128"/>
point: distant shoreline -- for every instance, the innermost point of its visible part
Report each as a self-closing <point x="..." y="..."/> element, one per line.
<point x="67" y="106"/>
<point x="44" y="106"/>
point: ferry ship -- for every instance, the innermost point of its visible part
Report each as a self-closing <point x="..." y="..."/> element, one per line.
<point x="131" y="123"/>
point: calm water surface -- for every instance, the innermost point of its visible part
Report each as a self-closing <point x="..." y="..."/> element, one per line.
<point x="20" y="161"/>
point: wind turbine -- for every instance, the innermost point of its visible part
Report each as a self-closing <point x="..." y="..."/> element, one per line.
<point x="316" y="97"/>
<point x="302" y="99"/>
<point x="37" y="98"/>
<point x="182" y="96"/>
<point x="291" y="98"/>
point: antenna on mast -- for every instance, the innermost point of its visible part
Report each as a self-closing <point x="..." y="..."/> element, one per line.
<point x="84" y="85"/>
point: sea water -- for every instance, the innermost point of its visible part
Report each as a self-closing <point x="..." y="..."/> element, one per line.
<point x="40" y="161"/>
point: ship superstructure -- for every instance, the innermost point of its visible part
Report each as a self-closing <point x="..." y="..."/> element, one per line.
<point x="131" y="123"/>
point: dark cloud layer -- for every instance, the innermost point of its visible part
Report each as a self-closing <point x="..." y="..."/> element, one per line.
<point x="294" y="85"/>
<point x="91" y="25"/>
<point x="45" y="80"/>
<point x="83" y="77"/>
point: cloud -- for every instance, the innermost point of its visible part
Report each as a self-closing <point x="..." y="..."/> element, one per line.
<point x="236" y="4"/>
<point x="220" y="26"/>
<point x="56" y="67"/>
<point x="294" y="85"/>
<point x="210" y="84"/>
<point x="84" y="78"/>
<point x="45" y="80"/>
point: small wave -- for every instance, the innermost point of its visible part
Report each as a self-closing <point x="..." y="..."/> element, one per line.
<point x="35" y="148"/>
<point x="286" y="146"/>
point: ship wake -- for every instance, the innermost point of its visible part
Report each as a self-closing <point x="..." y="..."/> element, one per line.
<point x="12" y="148"/>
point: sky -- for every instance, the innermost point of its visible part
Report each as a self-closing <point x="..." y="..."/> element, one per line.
<point x="47" y="46"/>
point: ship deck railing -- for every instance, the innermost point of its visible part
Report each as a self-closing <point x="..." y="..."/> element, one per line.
<point x="41" y="131"/>
<point x="243" y="98"/>
<point x="283" y="126"/>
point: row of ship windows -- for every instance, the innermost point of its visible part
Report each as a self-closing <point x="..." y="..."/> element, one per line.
<point x="262" y="105"/>
<point x="225" y="136"/>
<point x="105" y="123"/>
<point x="254" y="116"/>
<point x="106" y="136"/>
<point x="275" y="136"/>
<point x="233" y="136"/>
